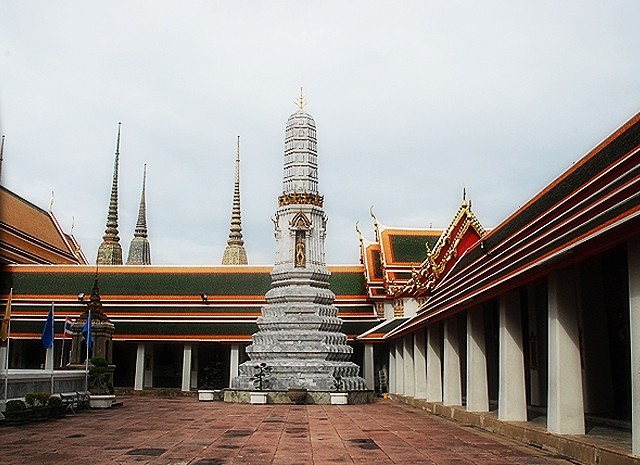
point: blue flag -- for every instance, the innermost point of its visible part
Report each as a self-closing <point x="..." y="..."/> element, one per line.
<point x="86" y="332"/>
<point x="48" y="331"/>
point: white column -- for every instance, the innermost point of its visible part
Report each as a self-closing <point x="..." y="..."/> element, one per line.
<point x="409" y="378"/>
<point x="148" y="365"/>
<point x="565" y="406"/>
<point x="477" y="384"/>
<point x="420" y="364"/>
<point x="534" y="342"/>
<point x="399" y="368"/>
<point x="368" y="368"/>
<point x="512" y="399"/>
<point x="186" y="367"/>
<point x="434" y="364"/>
<point x="194" y="365"/>
<point x="48" y="359"/>
<point x="234" y="361"/>
<point x="391" y="372"/>
<point x="633" y="259"/>
<point x="452" y="385"/>
<point x="138" y="384"/>
<point x="3" y="356"/>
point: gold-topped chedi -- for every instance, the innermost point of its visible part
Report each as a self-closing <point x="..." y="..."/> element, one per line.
<point x="235" y="253"/>
<point x="110" y="250"/>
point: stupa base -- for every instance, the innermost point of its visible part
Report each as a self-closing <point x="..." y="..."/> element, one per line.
<point x="242" y="396"/>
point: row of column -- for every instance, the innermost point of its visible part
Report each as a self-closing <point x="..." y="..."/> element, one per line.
<point x="426" y="368"/>
<point x="144" y="372"/>
<point x="144" y="369"/>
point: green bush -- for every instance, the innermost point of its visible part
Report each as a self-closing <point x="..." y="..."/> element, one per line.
<point x="54" y="401"/>
<point x="37" y="399"/>
<point x="99" y="362"/>
<point x="100" y="377"/>
<point x="15" y="405"/>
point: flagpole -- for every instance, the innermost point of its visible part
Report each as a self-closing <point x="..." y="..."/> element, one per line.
<point x="53" y="345"/>
<point x="6" y="367"/>
<point x="64" y="334"/>
<point x="6" y="360"/>
<point x="88" y="343"/>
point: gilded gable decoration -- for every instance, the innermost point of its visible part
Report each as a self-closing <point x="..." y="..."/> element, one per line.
<point x="464" y="231"/>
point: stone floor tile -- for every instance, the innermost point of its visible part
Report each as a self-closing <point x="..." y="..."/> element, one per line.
<point x="183" y="431"/>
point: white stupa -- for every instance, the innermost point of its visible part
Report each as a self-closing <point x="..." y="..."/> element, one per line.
<point x="299" y="334"/>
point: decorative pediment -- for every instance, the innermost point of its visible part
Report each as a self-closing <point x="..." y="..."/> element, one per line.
<point x="464" y="231"/>
<point x="300" y="222"/>
<point x="395" y="252"/>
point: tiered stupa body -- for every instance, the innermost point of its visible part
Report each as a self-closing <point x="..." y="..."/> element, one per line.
<point x="299" y="334"/>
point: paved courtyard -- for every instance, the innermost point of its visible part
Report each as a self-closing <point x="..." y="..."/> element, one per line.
<point x="181" y="430"/>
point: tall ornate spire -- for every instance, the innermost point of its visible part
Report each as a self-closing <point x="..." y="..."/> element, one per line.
<point x="139" y="249"/>
<point x="110" y="251"/>
<point x="235" y="253"/>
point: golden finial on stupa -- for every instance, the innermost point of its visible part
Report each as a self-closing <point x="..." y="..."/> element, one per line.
<point x="301" y="101"/>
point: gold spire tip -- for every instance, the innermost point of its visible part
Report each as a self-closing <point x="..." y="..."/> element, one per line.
<point x="301" y="101"/>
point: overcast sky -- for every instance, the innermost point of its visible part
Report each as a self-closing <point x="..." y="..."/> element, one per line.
<point x="412" y="101"/>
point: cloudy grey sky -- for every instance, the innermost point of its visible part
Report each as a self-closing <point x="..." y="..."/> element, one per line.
<point x="412" y="100"/>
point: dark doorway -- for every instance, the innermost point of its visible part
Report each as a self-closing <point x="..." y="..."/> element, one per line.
<point x="124" y="358"/>
<point x="167" y="365"/>
<point x="213" y="366"/>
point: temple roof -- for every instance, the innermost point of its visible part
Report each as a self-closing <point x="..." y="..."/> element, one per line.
<point x="390" y="259"/>
<point x="592" y="207"/>
<point x="29" y="234"/>
<point x="172" y="303"/>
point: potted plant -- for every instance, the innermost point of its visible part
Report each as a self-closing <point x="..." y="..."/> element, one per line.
<point x="211" y="383"/>
<point x="16" y="413"/>
<point x="101" y="392"/>
<point x="37" y="402"/>
<point x="57" y="408"/>
<point x="340" y="397"/>
<point x="260" y="381"/>
<point x="297" y="396"/>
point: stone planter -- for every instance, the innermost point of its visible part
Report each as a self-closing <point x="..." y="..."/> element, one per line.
<point x="40" y="413"/>
<point x="101" y="400"/>
<point x="339" y="398"/>
<point x="18" y="417"/>
<point x="208" y="395"/>
<point x="258" y="397"/>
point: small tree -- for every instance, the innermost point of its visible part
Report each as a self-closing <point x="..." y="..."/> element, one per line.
<point x="100" y="377"/>
<point x="260" y="379"/>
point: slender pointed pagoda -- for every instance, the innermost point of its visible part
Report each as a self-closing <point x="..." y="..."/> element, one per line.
<point x="110" y="250"/>
<point x="299" y="334"/>
<point x="235" y="253"/>
<point x="139" y="249"/>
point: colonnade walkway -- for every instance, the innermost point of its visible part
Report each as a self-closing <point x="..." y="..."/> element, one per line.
<point x="181" y="430"/>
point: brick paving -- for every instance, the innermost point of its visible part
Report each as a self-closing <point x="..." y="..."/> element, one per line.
<point x="181" y="430"/>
